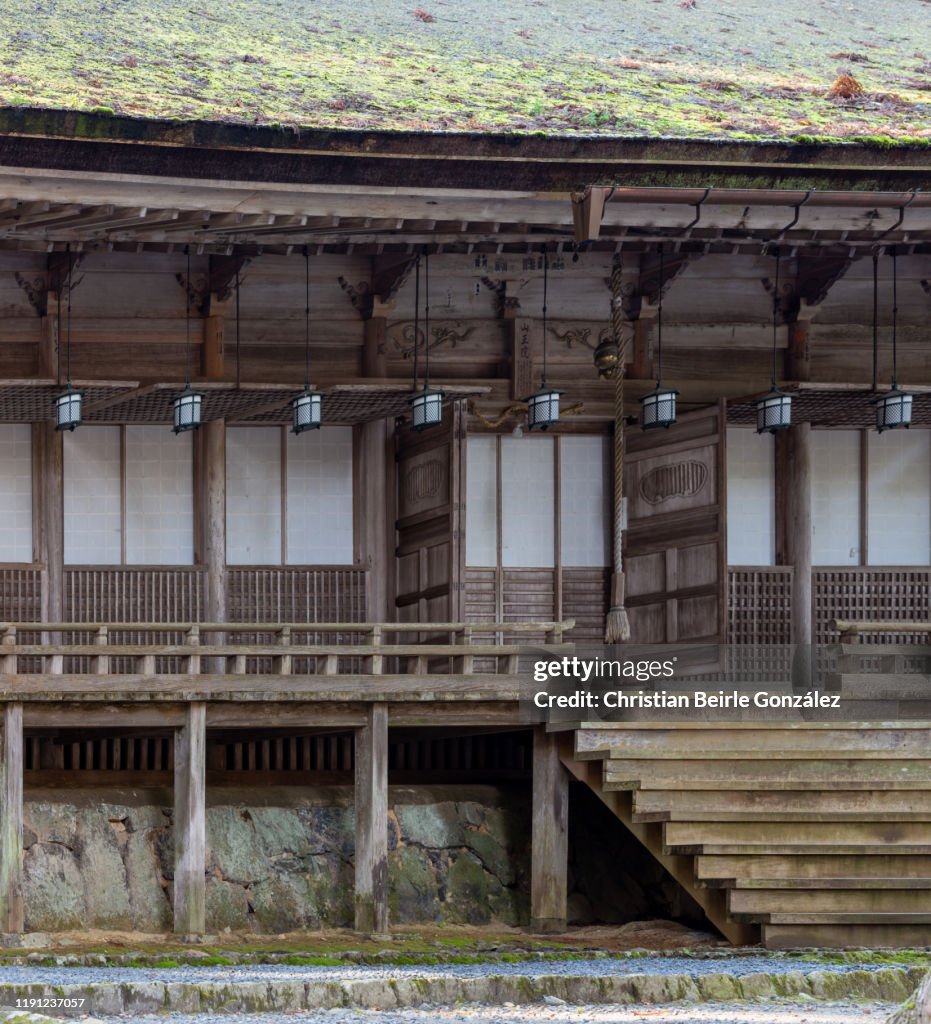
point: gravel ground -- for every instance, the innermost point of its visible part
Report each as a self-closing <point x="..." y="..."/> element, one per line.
<point x="707" y="1013"/>
<point x="664" y="965"/>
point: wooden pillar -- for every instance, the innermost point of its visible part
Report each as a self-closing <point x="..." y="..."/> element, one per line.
<point x="49" y="534"/>
<point x="798" y="545"/>
<point x="11" y="819"/>
<point x="210" y="470"/>
<point x="798" y="349"/>
<point x="190" y="822"/>
<point x="213" y="361"/>
<point x="641" y="359"/>
<point x="377" y="555"/>
<point x="371" y="798"/>
<point x="374" y="352"/>
<point x="549" y="836"/>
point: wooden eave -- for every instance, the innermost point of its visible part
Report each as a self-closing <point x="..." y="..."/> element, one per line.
<point x="96" y="143"/>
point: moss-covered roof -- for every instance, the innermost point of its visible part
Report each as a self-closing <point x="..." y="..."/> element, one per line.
<point x="759" y="69"/>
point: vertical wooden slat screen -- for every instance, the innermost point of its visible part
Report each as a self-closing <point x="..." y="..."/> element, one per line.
<point x="138" y="594"/>
<point x="295" y="594"/>
<point x="585" y="596"/>
<point x="21" y="601"/>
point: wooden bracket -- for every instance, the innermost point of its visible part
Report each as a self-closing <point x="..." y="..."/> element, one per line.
<point x="389" y="274"/>
<point x="506" y="306"/>
<point x="59" y="266"/>
<point x="375" y="298"/>
<point x="653" y="285"/>
<point x="815" y="277"/>
<point x="221" y="276"/>
<point x="198" y="297"/>
<point x="360" y="295"/>
<point x="639" y="301"/>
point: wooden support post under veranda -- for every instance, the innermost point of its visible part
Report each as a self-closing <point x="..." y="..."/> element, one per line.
<point x="11" y="819"/>
<point x="371" y="797"/>
<point x="549" y="835"/>
<point x="190" y="890"/>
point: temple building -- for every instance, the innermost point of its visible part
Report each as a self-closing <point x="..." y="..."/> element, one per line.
<point x="308" y="430"/>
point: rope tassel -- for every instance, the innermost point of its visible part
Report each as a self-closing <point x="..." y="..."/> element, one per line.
<point x="617" y="624"/>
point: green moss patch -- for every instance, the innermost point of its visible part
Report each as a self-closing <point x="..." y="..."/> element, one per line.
<point x="708" y="70"/>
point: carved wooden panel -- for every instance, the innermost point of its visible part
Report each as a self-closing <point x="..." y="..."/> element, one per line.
<point x="423" y="482"/>
<point x="674" y="546"/>
<point x="427" y="556"/>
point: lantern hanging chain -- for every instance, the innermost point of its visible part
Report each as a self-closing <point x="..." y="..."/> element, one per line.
<point x="775" y="314"/>
<point x="68" y="325"/>
<point x="306" y="318"/>
<point x="659" y="320"/>
<point x="426" y="320"/>
<point x="416" y="314"/>
<point x="58" y="328"/>
<point x="187" y="318"/>
<point x="238" y="348"/>
<point x="875" y="318"/>
<point x="895" y="315"/>
<point x="546" y="268"/>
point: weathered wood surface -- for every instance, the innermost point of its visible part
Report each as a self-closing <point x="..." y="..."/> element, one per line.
<point x="11" y="819"/>
<point x="818" y="832"/>
<point x="352" y="671"/>
<point x="427" y="688"/>
<point x="190" y="822"/>
<point x="550" y="836"/>
<point x="371" y="823"/>
<point x="798" y="511"/>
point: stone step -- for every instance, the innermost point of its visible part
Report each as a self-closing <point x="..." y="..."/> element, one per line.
<point x="706" y="774"/>
<point x="845" y="934"/>
<point x="823" y="883"/>
<point x="797" y="849"/>
<point x="805" y="802"/>
<point x="750" y="745"/>
<point x="813" y="866"/>
<point x="798" y="834"/>
<point x="854" y="917"/>
<point x="741" y="805"/>
<point x="828" y="901"/>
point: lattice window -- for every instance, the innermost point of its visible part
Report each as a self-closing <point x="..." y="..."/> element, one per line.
<point x="874" y="595"/>
<point x="759" y="605"/>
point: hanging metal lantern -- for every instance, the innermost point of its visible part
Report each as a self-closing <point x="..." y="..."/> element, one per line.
<point x="68" y="409"/>
<point x="543" y="409"/>
<point x="658" y="408"/>
<point x="426" y="408"/>
<point x="893" y="410"/>
<point x="306" y="411"/>
<point x="773" y="412"/>
<point x="187" y="407"/>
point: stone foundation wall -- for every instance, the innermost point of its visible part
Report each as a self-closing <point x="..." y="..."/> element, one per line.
<point x="279" y="859"/>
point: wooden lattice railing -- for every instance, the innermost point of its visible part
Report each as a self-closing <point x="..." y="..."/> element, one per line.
<point x="235" y="650"/>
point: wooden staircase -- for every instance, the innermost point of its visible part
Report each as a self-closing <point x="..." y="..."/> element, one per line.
<point x="796" y="833"/>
